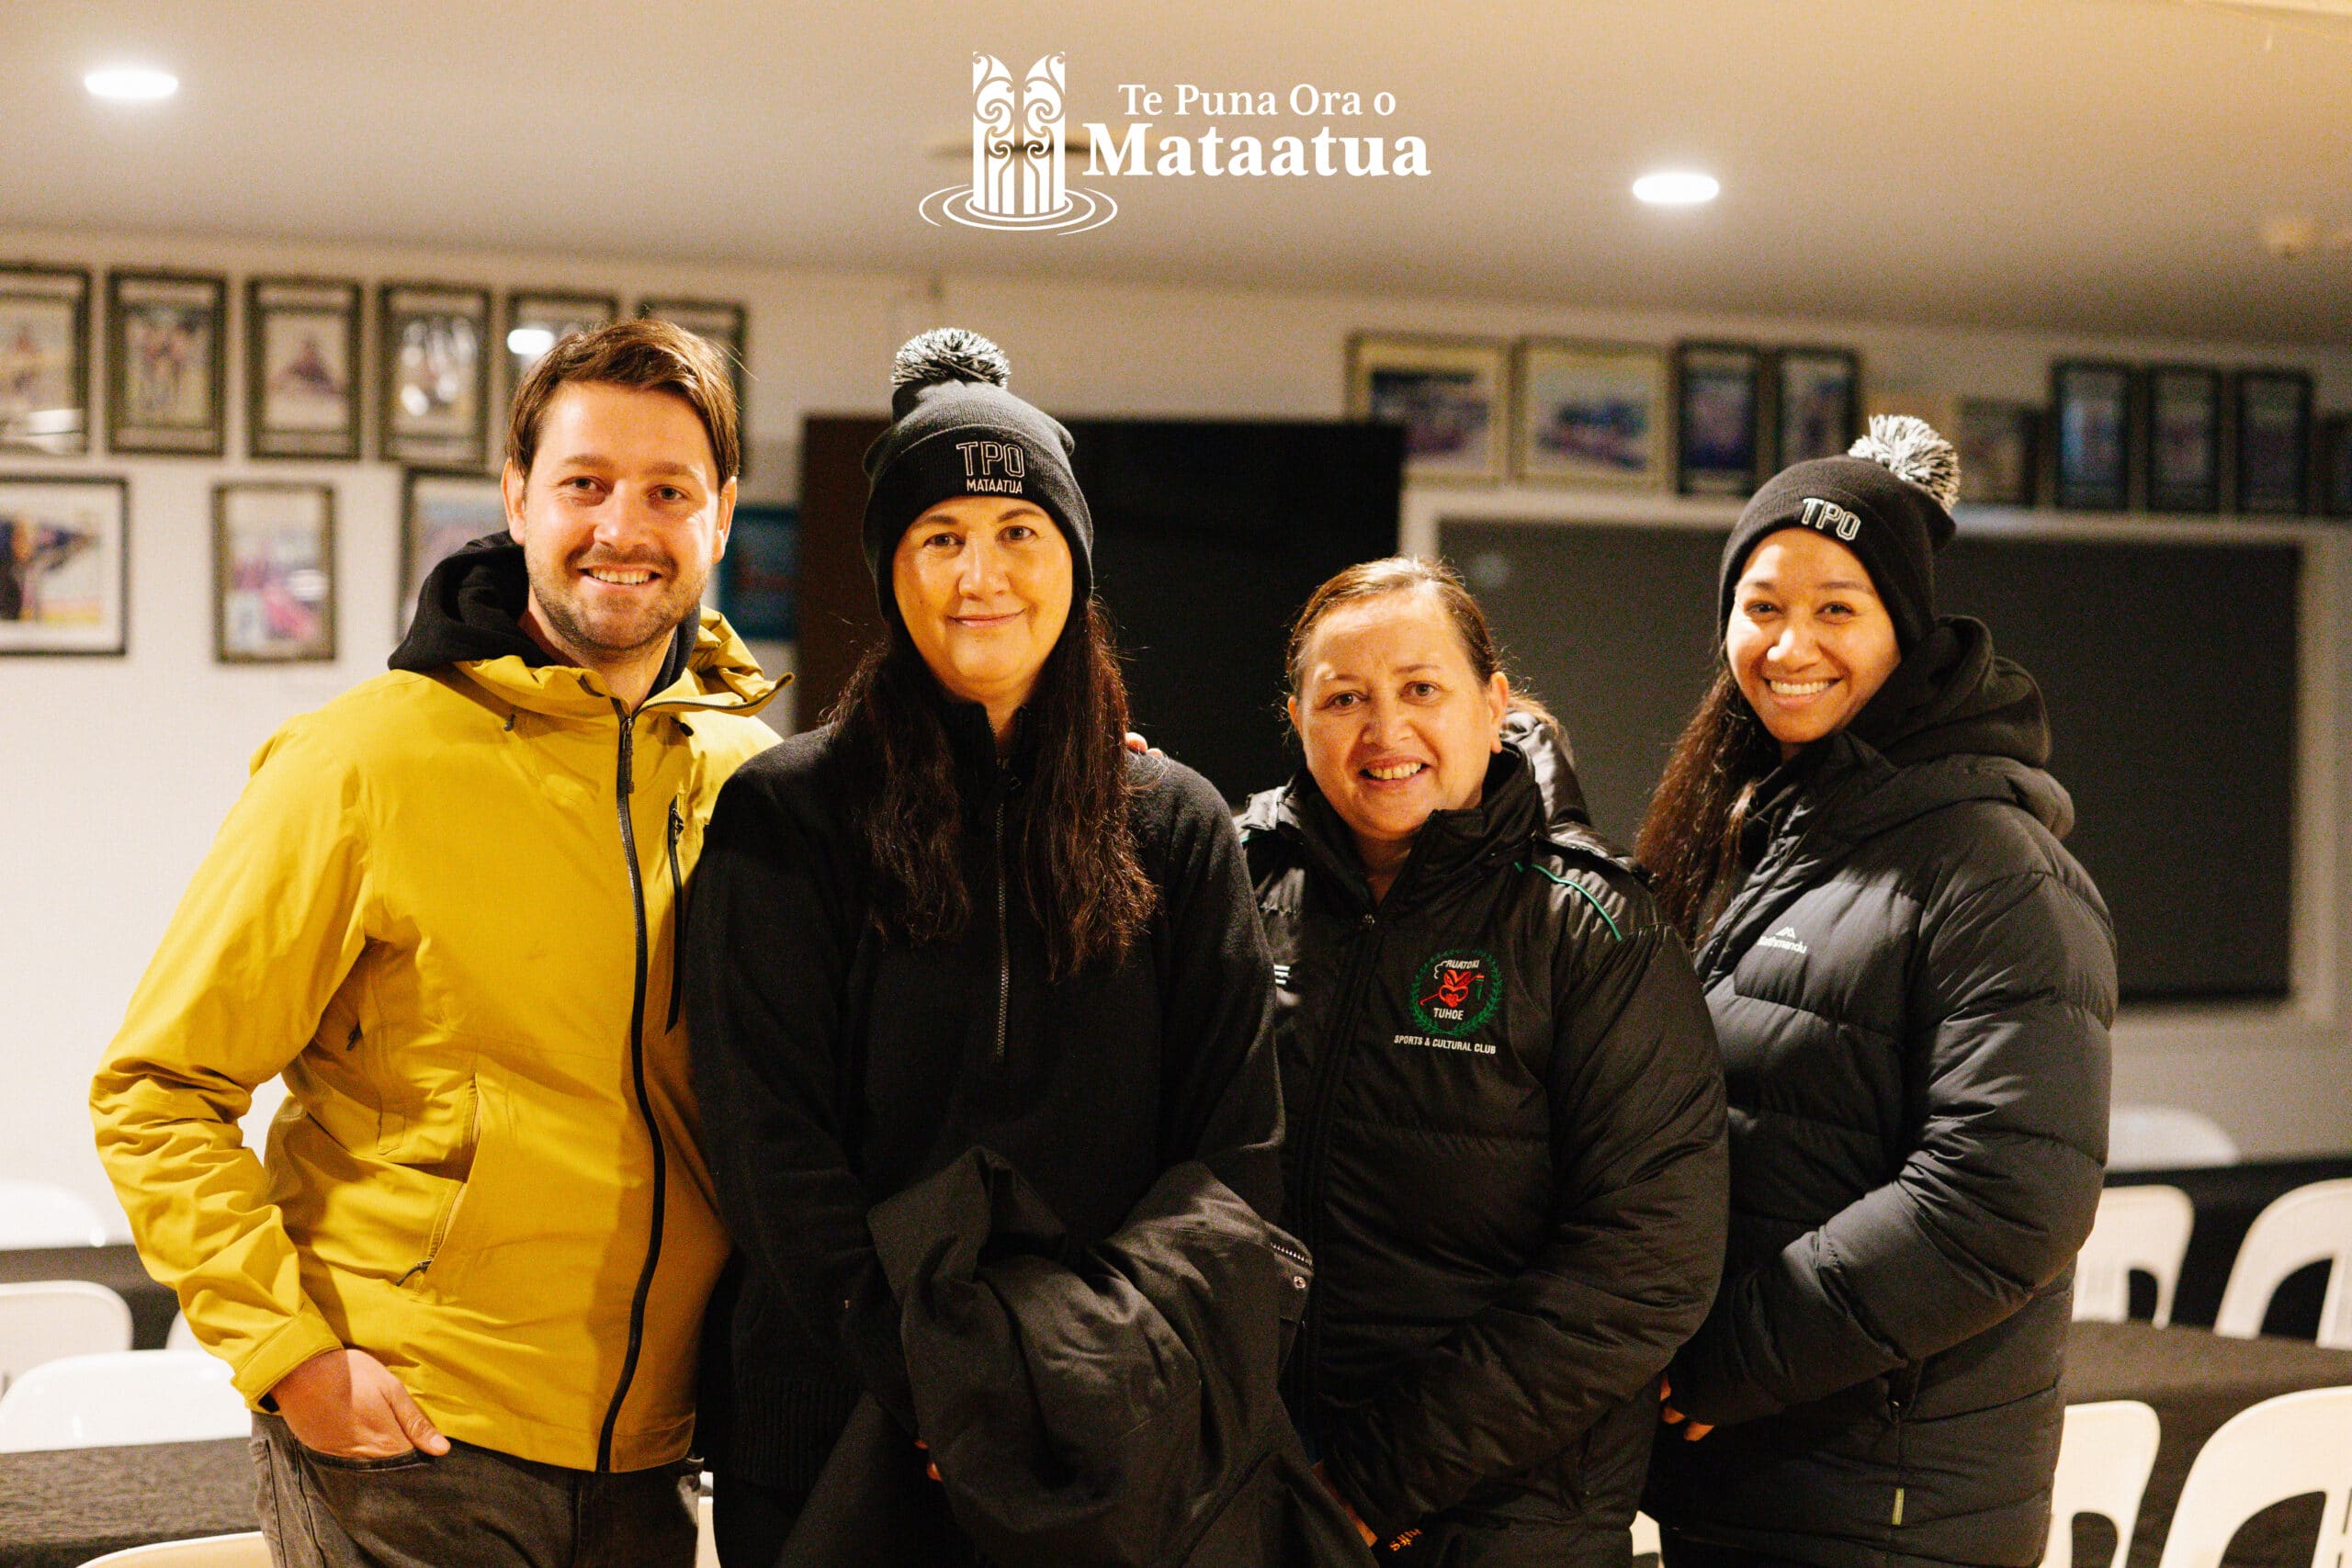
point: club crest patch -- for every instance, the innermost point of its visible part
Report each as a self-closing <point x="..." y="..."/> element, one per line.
<point x="1456" y="991"/>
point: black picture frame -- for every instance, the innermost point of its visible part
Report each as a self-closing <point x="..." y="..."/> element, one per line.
<point x="1816" y="402"/>
<point x="759" y="577"/>
<point x="725" y="323"/>
<point x="433" y="359"/>
<point x="264" y="611"/>
<point x="303" y="369"/>
<point x="1718" y="418"/>
<point x="441" y="510"/>
<point x="2184" y="447"/>
<point x="2093" y="436"/>
<point x="555" y="311"/>
<point x="45" y="359"/>
<point x="52" y="543"/>
<point x="2000" y="452"/>
<point x="2336" y="466"/>
<point x="167" y="362"/>
<point x="2271" y="424"/>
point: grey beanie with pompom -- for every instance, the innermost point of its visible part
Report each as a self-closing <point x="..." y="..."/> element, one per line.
<point x="1889" y="501"/>
<point x="956" y="431"/>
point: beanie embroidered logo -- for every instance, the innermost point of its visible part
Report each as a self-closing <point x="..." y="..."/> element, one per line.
<point x="992" y="467"/>
<point x="1828" y="517"/>
<point x="1456" y="991"/>
<point x="1017" y="179"/>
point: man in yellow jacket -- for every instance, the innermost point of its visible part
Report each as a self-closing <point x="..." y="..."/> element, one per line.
<point x="464" y="1292"/>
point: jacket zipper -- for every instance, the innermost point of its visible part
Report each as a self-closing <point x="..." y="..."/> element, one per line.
<point x="439" y="1235"/>
<point x="1310" y="1174"/>
<point x="678" y="920"/>
<point x="624" y="786"/>
<point x="1003" y="946"/>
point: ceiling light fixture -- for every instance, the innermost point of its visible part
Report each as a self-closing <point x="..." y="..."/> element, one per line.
<point x="1676" y="187"/>
<point x="131" y="84"/>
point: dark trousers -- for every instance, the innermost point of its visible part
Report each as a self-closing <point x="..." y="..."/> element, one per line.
<point x="472" y="1506"/>
<point x="1680" y="1552"/>
<point x="748" y="1522"/>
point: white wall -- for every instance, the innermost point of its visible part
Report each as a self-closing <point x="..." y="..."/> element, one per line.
<point x="116" y="772"/>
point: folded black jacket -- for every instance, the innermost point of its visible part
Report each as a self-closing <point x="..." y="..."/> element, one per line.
<point x="1117" y="1409"/>
<point x="835" y="1069"/>
<point x="1506" y="1155"/>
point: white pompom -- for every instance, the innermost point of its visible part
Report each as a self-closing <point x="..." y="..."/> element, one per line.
<point x="949" y="354"/>
<point x="1912" y="450"/>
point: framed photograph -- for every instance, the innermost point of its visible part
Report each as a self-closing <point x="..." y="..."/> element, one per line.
<point x="2184" y="439"/>
<point x="2090" y="407"/>
<point x="1590" y="414"/>
<point x="1449" y="394"/>
<point x="45" y="360"/>
<point x="759" y="577"/>
<point x="440" y="511"/>
<point x="2000" y="447"/>
<point x="273" y="573"/>
<point x="1818" y="403"/>
<point x="433" y="378"/>
<point x="2336" y="465"/>
<point x="537" y="319"/>
<point x="167" y="362"/>
<point x="725" y="326"/>
<point x="65" y="564"/>
<point x="2273" y="442"/>
<point x="1718" y="412"/>
<point x="301" y="368"/>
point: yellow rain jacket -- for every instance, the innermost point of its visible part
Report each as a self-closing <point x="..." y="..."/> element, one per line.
<point x="446" y="909"/>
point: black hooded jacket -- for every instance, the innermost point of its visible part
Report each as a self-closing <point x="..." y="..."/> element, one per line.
<point x="1506" y="1153"/>
<point x="1912" y="987"/>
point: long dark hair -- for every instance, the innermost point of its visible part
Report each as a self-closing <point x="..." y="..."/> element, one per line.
<point x="1075" y="860"/>
<point x="1690" y="840"/>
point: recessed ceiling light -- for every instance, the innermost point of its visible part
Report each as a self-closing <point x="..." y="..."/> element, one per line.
<point x="1676" y="187"/>
<point x="131" y="84"/>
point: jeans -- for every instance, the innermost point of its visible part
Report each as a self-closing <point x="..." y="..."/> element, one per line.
<point x="473" y="1507"/>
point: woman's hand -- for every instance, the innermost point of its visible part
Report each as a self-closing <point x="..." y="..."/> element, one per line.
<point x="1692" y="1430"/>
<point x="1363" y="1529"/>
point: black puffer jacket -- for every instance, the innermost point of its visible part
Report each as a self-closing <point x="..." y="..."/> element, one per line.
<point x="1506" y="1155"/>
<point x="1913" y="988"/>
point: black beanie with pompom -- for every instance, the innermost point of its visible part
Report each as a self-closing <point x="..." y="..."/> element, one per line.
<point x="956" y="431"/>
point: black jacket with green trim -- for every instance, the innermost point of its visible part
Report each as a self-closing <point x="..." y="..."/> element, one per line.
<point x="1506" y="1153"/>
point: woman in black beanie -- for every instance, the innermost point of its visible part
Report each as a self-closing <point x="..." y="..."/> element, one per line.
<point x="959" y="916"/>
<point x="1912" y="982"/>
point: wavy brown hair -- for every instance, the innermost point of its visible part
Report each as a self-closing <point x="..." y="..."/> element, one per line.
<point x="1690" y="839"/>
<point x="1074" y="863"/>
<point x="1404" y="574"/>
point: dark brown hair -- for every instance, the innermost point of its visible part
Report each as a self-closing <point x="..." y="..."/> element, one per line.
<point x="1690" y="839"/>
<point x="1075" y="860"/>
<point x="1400" y="574"/>
<point x="646" y="355"/>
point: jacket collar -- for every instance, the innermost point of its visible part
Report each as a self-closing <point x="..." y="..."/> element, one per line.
<point x="1451" y="845"/>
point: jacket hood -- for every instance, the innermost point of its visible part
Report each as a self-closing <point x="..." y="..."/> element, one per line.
<point x="470" y="612"/>
<point x="1551" y="761"/>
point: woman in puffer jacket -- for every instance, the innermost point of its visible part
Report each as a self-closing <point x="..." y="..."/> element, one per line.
<point x="1912" y="981"/>
<point x="1505" y="1142"/>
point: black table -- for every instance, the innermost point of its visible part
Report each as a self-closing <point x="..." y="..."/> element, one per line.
<point x="2227" y="1198"/>
<point x="116" y="1267"/>
<point x="2196" y="1381"/>
<point x="62" y="1507"/>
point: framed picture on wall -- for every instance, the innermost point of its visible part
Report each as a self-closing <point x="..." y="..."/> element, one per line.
<point x="1718" y="418"/>
<point x="2090" y="407"/>
<point x="2184" y="439"/>
<point x="2273" y="442"/>
<point x="2336" y="465"/>
<point x="45" y="360"/>
<point x="759" y="576"/>
<point x="273" y="573"/>
<point x="440" y="511"/>
<point x="1590" y="414"/>
<point x="719" y="322"/>
<point x="433" y="375"/>
<point x="1817" y="403"/>
<point x="1999" y="446"/>
<point x="65" y="564"/>
<point x="1451" y="396"/>
<point x="167" y="362"/>
<point x="537" y="319"/>
<point x="301" y="368"/>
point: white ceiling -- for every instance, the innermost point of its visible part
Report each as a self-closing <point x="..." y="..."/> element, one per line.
<point x="2101" y="166"/>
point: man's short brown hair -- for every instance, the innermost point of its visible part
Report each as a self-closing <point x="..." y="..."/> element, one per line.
<point x="648" y="354"/>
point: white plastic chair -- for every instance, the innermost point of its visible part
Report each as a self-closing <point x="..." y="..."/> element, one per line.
<point x="2311" y="1224"/>
<point x="246" y="1550"/>
<point x="2282" y="1448"/>
<point x="2166" y="1137"/>
<point x="1646" y="1537"/>
<point x="183" y="1334"/>
<point x="40" y="1214"/>
<point x="127" y="1396"/>
<point x="2103" y="1464"/>
<point x="55" y="1318"/>
<point x="706" y="1542"/>
<point x="2137" y="1227"/>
